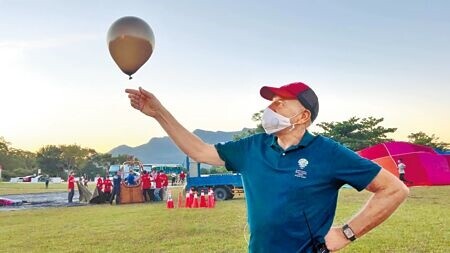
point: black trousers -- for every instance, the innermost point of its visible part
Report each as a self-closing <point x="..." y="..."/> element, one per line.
<point x="146" y="193"/>
<point x="71" y="193"/>
<point x="116" y="195"/>
<point x="107" y="196"/>
<point x="403" y="178"/>
<point x="152" y="194"/>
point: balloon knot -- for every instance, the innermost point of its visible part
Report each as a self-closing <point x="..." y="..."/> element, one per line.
<point x="130" y="78"/>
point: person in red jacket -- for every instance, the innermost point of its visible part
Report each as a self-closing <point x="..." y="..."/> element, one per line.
<point x="182" y="177"/>
<point x="107" y="185"/>
<point x="145" y="179"/>
<point x="71" y="186"/>
<point x="99" y="184"/>
<point x="159" y="184"/>
<point x="164" y="183"/>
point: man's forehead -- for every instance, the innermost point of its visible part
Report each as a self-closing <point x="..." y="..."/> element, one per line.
<point x="277" y="98"/>
<point x="287" y="100"/>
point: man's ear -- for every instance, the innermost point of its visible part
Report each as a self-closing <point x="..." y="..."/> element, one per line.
<point x="304" y="118"/>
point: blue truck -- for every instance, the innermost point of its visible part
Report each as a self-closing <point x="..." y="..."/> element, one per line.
<point x="225" y="186"/>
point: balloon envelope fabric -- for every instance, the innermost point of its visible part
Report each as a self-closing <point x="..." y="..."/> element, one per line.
<point x="424" y="166"/>
<point x="131" y="42"/>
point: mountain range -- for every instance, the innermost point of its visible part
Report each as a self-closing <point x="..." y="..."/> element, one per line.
<point x="161" y="150"/>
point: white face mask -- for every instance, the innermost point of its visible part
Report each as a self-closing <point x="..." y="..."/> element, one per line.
<point x="273" y="122"/>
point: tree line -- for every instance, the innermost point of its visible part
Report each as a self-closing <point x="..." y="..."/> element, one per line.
<point x="355" y="133"/>
<point x="358" y="133"/>
<point x="55" y="161"/>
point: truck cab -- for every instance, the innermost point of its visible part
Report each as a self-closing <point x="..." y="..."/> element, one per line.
<point x="225" y="186"/>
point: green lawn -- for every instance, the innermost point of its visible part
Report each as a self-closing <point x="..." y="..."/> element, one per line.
<point x="19" y="188"/>
<point x="422" y="224"/>
<point x="22" y="188"/>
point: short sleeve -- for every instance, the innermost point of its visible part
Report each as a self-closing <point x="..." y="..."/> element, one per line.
<point x="233" y="153"/>
<point x="353" y="169"/>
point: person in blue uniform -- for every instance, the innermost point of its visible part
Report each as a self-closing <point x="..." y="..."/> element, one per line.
<point x="131" y="178"/>
<point x="117" y="180"/>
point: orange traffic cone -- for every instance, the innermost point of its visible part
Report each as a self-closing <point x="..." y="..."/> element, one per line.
<point x="191" y="194"/>
<point x="211" y="201"/>
<point x="195" y="204"/>
<point x="191" y="197"/>
<point x="180" y="200"/>
<point x="202" y="199"/>
<point x="187" y="204"/>
<point x="169" y="200"/>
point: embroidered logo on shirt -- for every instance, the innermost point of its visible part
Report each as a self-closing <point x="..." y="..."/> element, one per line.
<point x="302" y="163"/>
<point x="301" y="173"/>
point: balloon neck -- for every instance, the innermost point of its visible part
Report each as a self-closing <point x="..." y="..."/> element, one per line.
<point x="130" y="78"/>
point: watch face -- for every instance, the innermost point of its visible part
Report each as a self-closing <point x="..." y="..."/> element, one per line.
<point x="348" y="232"/>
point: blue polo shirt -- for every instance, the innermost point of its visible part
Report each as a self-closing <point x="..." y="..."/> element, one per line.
<point x="116" y="183"/>
<point x="130" y="179"/>
<point x="287" y="190"/>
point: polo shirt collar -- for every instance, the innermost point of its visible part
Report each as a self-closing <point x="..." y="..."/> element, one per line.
<point x="305" y="141"/>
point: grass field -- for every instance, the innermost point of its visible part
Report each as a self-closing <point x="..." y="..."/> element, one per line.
<point x="19" y="188"/>
<point x="422" y="224"/>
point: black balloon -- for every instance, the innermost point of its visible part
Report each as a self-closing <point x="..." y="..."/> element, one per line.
<point x="131" y="43"/>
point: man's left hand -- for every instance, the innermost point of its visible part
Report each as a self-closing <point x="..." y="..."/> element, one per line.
<point x="335" y="239"/>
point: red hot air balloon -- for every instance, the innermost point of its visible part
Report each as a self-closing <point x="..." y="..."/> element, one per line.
<point x="131" y="43"/>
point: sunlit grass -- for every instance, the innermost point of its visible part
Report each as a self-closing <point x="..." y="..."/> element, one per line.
<point x="420" y="225"/>
<point x="21" y="188"/>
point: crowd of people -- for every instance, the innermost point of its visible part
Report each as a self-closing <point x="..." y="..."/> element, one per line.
<point x="153" y="184"/>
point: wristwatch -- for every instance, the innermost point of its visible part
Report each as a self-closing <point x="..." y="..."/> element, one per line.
<point x="348" y="232"/>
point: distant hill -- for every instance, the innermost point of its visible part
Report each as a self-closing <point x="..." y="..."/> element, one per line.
<point x="163" y="150"/>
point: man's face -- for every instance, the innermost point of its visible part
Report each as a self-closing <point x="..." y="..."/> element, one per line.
<point x="291" y="108"/>
<point x="285" y="107"/>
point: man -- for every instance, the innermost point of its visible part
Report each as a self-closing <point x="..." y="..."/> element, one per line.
<point x="159" y="184"/>
<point x="305" y="171"/>
<point x="153" y="173"/>
<point x="85" y="180"/>
<point x="131" y="179"/>
<point x="401" y="171"/>
<point x="107" y="188"/>
<point x="182" y="177"/>
<point x="145" y="179"/>
<point x="99" y="184"/>
<point x="152" y="185"/>
<point x="173" y="178"/>
<point x="47" y="180"/>
<point x="164" y="183"/>
<point x="117" y="180"/>
<point x="71" y="186"/>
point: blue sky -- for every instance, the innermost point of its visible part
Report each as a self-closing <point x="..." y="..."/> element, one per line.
<point x="59" y="85"/>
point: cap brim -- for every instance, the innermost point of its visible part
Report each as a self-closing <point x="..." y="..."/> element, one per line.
<point x="268" y="93"/>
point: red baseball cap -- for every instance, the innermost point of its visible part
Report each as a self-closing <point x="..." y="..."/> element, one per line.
<point x="299" y="91"/>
